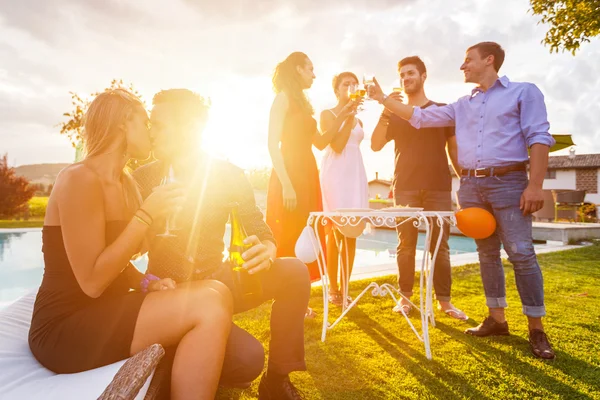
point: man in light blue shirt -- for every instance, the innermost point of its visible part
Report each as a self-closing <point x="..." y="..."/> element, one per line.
<point x="500" y="127"/>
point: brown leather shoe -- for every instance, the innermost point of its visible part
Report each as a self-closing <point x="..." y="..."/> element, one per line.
<point x="540" y="345"/>
<point x="489" y="327"/>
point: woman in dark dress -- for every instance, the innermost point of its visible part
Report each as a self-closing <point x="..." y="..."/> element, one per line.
<point x="294" y="188"/>
<point x="85" y="315"/>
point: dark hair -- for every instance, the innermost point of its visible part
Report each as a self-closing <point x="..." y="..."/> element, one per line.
<point x="287" y="79"/>
<point x="188" y="104"/>
<point x="337" y="79"/>
<point x="413" y="60"/>
<point x="486" y="49"/>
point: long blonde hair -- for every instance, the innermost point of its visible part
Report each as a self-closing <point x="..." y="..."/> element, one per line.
<point x="101" y="124"/>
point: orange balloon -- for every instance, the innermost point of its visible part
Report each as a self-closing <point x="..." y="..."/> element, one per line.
<point x="475" y="222"/>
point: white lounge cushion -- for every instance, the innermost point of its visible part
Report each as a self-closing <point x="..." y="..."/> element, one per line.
<point x="23" y="377"/>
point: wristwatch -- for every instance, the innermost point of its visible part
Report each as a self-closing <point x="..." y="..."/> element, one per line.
<point x="385" y="97"/>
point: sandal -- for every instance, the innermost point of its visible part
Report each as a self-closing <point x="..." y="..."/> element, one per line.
<point x="455" y="313"/>
<point x="349" y="300"/>
<point x="335" y="299"/>
<point x="310" y="313"/>
<point x="404" y="309"/>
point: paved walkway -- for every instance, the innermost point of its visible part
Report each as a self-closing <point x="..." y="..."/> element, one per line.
<point x="456" y="260"/>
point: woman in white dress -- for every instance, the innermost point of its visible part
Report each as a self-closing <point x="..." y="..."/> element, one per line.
<point x="343" y="181"/>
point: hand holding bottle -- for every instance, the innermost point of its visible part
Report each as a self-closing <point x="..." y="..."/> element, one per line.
<point x="259" y="256"/>
<point x="246" y="256"/>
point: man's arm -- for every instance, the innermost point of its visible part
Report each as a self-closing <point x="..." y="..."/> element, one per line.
<point x="379" y="136"/>
<point x="430" y="117"/>
<point x="534" y="118"/>
<point x="148" y="177"/>
<point x="535" y="128"/>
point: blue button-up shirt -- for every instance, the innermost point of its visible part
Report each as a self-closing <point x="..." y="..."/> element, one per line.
<point x="493" y="128"/>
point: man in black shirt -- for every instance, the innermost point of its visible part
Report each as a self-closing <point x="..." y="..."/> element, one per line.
<point x="421" y="179"/>
<point x="195" y="252"/>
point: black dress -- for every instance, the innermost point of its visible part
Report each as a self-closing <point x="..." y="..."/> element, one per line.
<point x="72" y="332"/>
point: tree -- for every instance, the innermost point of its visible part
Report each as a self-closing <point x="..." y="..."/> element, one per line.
<point x="259" y="178"/>
<point x="572" y="22"/>
<point x="73" y="127"/>
<point x="15" y="191"/>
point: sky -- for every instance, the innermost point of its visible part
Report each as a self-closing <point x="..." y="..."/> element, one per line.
<point x="227" y="50"/>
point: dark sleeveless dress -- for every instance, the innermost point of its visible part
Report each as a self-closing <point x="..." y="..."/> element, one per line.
<point x="70" y="331"/>
<point x="299" y="128"/>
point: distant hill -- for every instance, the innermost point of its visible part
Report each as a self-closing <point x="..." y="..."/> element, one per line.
<point x="40" y="173"/>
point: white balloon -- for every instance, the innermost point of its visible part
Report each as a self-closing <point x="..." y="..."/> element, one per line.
<point x="307" y="246"/>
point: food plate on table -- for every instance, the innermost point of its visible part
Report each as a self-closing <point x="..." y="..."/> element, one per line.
<point x="402" y="209"/>
<point x="357" y="224"/>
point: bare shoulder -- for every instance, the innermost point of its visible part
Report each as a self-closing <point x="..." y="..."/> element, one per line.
<point x="327" y="113"/>
<point x="76" y="187"/>
<point x="77" y="180"/>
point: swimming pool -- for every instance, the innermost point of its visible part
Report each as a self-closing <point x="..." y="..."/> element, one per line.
<point x="22" y="263"/>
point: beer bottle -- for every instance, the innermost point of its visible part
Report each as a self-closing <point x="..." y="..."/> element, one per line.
<point x="248" y="286"/>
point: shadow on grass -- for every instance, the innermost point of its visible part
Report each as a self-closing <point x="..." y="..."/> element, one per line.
<point x="564" y="362"/>
<point x="416" y="362"/>
<point x="334" y="367"/>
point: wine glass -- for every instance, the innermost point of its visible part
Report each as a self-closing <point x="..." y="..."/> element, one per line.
<point x="170" y="223"/>
<point x="368" y="80"/>
<point x="400" y="88"/>
<point x="355" y="94"/>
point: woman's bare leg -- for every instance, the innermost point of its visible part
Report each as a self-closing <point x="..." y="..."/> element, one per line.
<point x="332" y="261"/>
<point x="197" y="318"/>
<point x="346" y="245"/>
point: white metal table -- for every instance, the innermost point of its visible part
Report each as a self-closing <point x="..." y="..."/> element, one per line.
<point x="385" y="219"/>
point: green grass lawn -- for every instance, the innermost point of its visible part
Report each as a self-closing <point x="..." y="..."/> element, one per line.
<point x="13" y="224"/>
<point x="373" y="354"/>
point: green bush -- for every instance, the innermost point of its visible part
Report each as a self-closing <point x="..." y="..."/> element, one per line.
<point x="37" y="207"/>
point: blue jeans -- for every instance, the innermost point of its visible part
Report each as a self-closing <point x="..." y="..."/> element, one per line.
<point x="501" y="196"/>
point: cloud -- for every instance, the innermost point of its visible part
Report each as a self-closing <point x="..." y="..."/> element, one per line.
<point x="57" y="20"/>
<point x="50" y="48"/>
<point x="235" y="10"/>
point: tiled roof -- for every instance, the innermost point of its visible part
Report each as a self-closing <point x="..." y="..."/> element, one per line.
<point x="382" y="181"/>
<point x="578" y="161"/>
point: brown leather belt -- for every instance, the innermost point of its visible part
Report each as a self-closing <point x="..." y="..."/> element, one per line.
<point x="493" y="171"/>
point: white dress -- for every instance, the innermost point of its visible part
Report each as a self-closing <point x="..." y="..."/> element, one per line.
<point x="343" y="175"/>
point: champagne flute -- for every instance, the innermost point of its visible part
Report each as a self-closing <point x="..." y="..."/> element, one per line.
<point x="170" y="222"/>
<point x="368" y="80"/>
<point x="400" y="89"/>
<point x="355" y="94"/>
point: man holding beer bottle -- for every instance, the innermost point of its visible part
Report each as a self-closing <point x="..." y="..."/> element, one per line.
<point x="218" y="191"/>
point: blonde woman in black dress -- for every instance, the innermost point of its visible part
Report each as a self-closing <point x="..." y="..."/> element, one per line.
<point x="85" y="314"/>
